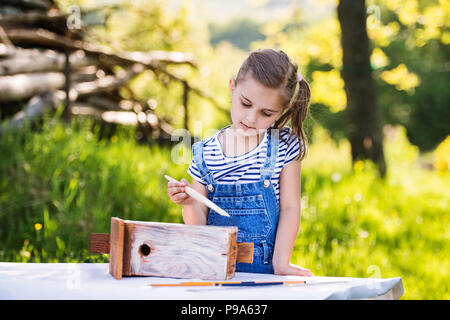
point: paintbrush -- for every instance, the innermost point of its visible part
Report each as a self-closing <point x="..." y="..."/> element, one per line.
<point x="199" y="197"/>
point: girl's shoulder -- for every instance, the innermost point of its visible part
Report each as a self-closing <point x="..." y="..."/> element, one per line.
<point x="289" y="145"/>
<point x="288" y="137"/>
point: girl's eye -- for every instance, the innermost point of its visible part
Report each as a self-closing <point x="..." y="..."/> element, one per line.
<point x="249" y="105"/>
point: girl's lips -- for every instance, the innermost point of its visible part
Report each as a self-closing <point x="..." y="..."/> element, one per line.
<point x="245" y="127"/>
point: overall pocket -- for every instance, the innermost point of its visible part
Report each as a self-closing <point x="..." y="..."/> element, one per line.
<point x="248" y="213"/>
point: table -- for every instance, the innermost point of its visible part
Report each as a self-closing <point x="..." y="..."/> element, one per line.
<point x="92" y="281"/>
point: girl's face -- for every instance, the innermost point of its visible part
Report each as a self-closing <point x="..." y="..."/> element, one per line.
<point x="254" y="107"/>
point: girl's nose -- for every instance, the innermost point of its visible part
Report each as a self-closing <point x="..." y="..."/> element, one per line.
<point x="251" y="116"/>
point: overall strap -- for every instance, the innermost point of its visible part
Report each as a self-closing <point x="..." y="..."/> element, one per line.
<point x="197" y="152"/>
<point x="272" y="152"/>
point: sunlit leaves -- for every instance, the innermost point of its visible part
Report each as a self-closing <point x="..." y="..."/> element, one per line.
<point x="327" y="87"/>
<point x="378" y="59"/>
<point x="401" y="78"/>
<point x="442" y="156"/>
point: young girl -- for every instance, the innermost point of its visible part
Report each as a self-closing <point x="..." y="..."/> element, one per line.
<point x="251" y="169"/>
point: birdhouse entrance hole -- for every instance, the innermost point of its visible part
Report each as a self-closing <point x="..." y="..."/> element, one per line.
<point x="145" y="250"/>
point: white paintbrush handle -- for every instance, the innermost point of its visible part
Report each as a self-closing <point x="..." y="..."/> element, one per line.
<point x="199" y="197"/>
<point x="170" y="178"/>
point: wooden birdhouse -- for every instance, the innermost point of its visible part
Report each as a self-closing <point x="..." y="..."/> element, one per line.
<point x="173" y="250"/>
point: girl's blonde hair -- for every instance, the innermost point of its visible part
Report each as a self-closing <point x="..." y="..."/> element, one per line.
<point x="274" y="69"/>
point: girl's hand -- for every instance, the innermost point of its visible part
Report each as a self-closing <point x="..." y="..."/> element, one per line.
<point x="292" y="270"/>
<point x="176" y="193"/>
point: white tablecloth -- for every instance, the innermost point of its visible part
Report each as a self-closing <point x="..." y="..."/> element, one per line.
<point x="69" y="281"/>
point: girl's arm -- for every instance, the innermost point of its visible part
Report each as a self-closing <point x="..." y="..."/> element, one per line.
<point x="194" y="212"/>
<point x="289" y="221"/>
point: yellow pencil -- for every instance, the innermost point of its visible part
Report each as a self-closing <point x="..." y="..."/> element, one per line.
<point x="227" y="283"/>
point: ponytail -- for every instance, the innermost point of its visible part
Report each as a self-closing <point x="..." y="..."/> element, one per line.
<point x="296" y="113"/>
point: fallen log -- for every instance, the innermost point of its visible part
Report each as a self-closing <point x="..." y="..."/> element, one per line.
<point x="39" y="105"/>
<point x="36" y="107"/>
<point x="22" y="86"/>
<point x="33" y="18"/>
<point x="39" y="60"/>
<point x="106" y="83"/>
<point x="87" y="73"/>
<point x="28" y="4"/>
<point x="87" y="80"/>
<point x="6" y="51"/>
<point x="49" y="39"/>
<point x="104" y="103"/>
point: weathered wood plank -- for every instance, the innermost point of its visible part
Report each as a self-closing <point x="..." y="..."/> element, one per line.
<point x="129" y="230"/>
<point x="116" y="248"/>
<point x="99" y="243"/>
<point x="180" y="251"/>
<point x="232" y="254"/>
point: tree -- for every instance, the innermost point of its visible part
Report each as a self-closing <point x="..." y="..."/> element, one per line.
<point x="362" y="113"/>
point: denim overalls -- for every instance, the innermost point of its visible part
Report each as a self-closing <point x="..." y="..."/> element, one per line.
<point x="253" y="207"/>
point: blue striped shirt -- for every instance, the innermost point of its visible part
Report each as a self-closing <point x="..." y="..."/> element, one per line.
<point x="245" y="168"/>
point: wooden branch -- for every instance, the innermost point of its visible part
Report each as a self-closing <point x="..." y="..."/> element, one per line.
<point x="148" y="58"/>
<point x="4" y="37"/>
<point x="127" y="118"/>
<point x="198" y="91"/>
<point x="87" y="73"/>
<point x="103" y="103"/>
<point x="106" y="83"/>
<point x="85" y="109"/>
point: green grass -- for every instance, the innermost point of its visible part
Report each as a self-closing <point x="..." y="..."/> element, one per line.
<point x="61" y="184"/>
<point x="71" y="183"/>
<point x="357" y="225"/>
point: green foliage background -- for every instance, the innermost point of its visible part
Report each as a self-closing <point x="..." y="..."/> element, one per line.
<point x="59" y="185"/>
<point x="64" y="181"/>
